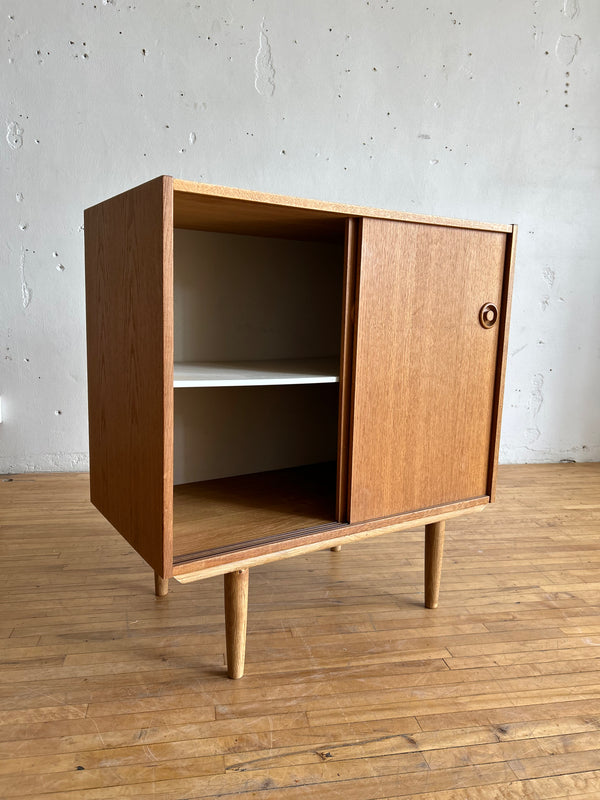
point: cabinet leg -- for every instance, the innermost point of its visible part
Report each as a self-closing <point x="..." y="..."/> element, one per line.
<point x="236" y="619"/>
<point x="336" y="549"/>
<point x="161" y="585"/>
<point x="434" y="551"/>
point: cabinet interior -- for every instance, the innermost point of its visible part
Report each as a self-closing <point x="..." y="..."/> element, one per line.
<point x="257" y="328"/>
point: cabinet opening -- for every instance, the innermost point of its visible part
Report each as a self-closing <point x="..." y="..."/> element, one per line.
<point x="257" y="324"/>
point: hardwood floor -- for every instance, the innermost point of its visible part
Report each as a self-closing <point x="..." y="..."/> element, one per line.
<point x="353" y="690"/>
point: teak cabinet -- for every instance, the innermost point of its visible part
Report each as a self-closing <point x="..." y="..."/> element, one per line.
<point x="270" y="376"/>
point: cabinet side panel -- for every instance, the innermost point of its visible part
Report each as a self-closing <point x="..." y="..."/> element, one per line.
<point x="129" y="341"/>
<point x="425" y="367"/>
<point x="504" y="324"/>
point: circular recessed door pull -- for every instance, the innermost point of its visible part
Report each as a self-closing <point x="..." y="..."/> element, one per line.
<point x="488" y="315"/>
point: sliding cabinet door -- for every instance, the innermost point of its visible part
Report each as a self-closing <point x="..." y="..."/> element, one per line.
<point x="426" y="358"/>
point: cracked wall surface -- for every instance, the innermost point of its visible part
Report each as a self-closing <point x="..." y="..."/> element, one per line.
<point x="467" y="109"/>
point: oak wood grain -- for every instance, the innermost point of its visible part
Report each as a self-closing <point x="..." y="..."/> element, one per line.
<point x="424" y="367"/>
<point x="161" y="585"/>
<point x="202" y="206"/>
<point x="434" y="551"/>
<point x="222" y="514"/>
<point x="128" y="254"/>
<point x="194" y="567"/>
<point x="236" y="620"/>
<point x="352" y="688"/>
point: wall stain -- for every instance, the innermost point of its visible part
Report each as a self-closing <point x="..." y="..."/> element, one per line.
<point x="264" y="71"/>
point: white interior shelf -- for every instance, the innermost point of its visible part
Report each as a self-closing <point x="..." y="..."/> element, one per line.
<point x="256" y="373"/>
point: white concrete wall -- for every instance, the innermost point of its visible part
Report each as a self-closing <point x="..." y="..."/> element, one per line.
<point x="484" y="109"/>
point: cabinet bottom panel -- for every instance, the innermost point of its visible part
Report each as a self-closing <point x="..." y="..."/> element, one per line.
<point x="302" y="542"/>
<point x="212" y="516"/>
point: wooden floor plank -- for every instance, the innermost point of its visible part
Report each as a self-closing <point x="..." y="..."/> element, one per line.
<point x="352" y="690"/>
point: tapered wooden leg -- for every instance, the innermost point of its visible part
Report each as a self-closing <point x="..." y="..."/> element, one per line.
<point x="236" y="619"/>
<point x="336" y="549"/>
<point x="434" y="551"/>
<point x="161" y="585"/>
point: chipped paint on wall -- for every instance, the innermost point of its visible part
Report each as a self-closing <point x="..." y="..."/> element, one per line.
<point x="566" y="47"/>
<point x="264" y="71"/>
<point x="536" y="396"/>
<point x="26" y="292"/>
<point x="571" y="8"/>
<point x="14" y="135"/>
<point x="549" y="276"/>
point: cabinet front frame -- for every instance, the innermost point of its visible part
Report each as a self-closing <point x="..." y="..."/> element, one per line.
<point x="248" y="554"/>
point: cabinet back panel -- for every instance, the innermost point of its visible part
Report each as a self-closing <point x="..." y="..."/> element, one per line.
<point x="424" y="366"/>
<point x="249" y="297"/>
<point x="221" y="432"/>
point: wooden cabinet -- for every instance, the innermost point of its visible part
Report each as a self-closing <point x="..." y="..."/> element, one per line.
<point x="270" y="376"/>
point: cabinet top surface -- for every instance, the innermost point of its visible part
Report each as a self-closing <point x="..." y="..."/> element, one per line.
<point x="188" y="191"/>
<point x="205" y="207"/>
